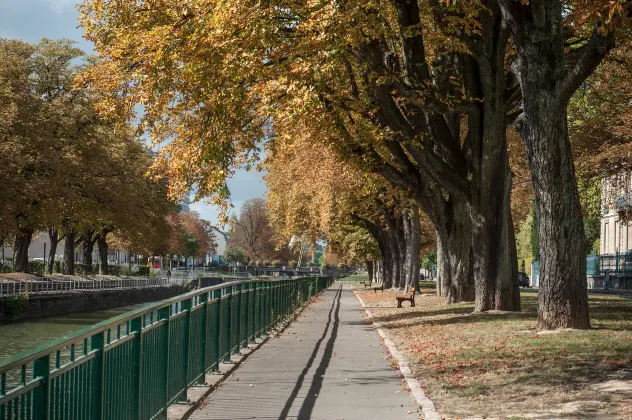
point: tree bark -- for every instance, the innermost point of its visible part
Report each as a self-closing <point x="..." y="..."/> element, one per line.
<point x="413" y="234"/>
<point x="563" y="297"/>
<point x="455" y="259"/>
<point x="87" y="249"/>
<point x="22" y="244"/>
<point x="103" y="253"/>
<point x="69" y="252"/>
<point x="388" y="266"/>
<point x="53" y="237"/>
<point x="455" y="280"/>
<point x="369" y="269"/>
<point x="441" y="289"/>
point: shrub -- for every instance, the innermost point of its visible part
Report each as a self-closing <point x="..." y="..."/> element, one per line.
<point x="114" y="270"/>
<point x="80" y="269"/>
<point x="143" y="271"/>
<point x="37" y="267"/>
<point x="58" y="267"/>
<point x="16" y="305"/>
<point x="5" y="267"/>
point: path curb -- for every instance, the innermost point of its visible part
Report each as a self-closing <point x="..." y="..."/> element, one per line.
<point x="428" y="408"/>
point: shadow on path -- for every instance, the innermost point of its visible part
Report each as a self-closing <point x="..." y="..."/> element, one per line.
<point x="308" y="404"/>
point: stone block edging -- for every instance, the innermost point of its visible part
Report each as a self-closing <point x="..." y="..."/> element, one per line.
<point x="428" y="408"/>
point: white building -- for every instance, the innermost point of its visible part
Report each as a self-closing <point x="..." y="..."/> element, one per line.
<point x="221" y="241"/>
<point x="40" y="249"/>
<point x="616" y="235"/>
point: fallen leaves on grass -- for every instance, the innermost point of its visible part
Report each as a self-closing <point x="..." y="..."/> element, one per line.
<point x="495" y="364"/>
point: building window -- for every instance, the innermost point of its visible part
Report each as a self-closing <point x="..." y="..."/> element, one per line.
<point x="606" y="244"/>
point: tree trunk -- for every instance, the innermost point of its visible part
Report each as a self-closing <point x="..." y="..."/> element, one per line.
<point x="88" y="249"/>
<point x="22" y="244"/>
<point x="69" y="252"/>
<point x="547" y="83"/>
<point x="388" y="267"/>
<point x="103" y="253"/>
<point x="53" y="237"/>
<point x="563" y="297"/>
<point x="456" y="256"/>
<point x="378" y="272"/>
<point x="369" y="269"/>
<point x="412" y="233"/>
<point x="495" y="261"/>
<point x="441" y="289"/>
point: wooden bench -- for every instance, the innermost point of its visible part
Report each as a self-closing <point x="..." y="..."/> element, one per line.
<point x="366" y="283"/>
<point x="380" y="287"/>
<point x="411" y="299"/>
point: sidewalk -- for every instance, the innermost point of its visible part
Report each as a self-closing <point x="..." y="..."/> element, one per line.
<point x="328" y="364"/>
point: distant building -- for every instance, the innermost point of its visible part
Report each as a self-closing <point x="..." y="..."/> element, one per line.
<point x="40" y="249"/>
<point x="185" y="203"/>
<point x="616" y="235"/>
<point x="221" y="241"/>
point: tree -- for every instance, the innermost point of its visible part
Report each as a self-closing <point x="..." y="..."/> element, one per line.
<point x="73" y="173"/>
<point x="549" y="67"/>
<point x="384" y="106"/>
<point x="418" y="93"/>
<point x="252" y="231"/>
<point x="236" y="256"/>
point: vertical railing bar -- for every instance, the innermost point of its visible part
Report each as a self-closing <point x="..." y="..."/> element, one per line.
<point x="167" y="357"/>
<point x="205" y="336"/>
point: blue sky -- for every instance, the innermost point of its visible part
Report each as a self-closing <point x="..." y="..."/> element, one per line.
<point x="32" y="20"/>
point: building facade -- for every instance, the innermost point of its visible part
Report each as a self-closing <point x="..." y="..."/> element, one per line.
<point x="616" y="232"/>
<point x="221" y="243"/>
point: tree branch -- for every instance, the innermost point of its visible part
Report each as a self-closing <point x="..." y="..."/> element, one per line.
<point x="589" y="57"/>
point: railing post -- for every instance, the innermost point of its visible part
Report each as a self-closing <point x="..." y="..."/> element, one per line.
<point x="41" y="394"/>
<point x="218" y="326"/>
<point x="205" y="340"/>
<point x="236" y="300"/>
<point x="166" y="312"/>
<point x="136" y="326"/>
<point x="187" y="305"/>
<point x="98" y="346"/>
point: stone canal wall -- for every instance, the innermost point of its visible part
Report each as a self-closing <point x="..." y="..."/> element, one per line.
<point x="38" y="306"/>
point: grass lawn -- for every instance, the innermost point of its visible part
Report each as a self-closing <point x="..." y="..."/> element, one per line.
<point x="496" y="365"/>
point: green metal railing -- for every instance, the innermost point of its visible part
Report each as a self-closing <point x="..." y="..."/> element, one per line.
<point x="135" y="365"/>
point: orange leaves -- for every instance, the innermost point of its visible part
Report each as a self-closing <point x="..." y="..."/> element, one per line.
<point x="609" y="14"/>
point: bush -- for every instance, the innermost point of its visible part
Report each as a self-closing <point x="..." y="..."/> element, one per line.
<point x="82" y="269"/>
<point x="214" y="264"/>
<point x="16" y="305"/>
<point x="114" y="270"/>
<point x="6" y="267"/>
<point x="37" y="267"/>
<point x="58" y="267"/>
<point x="143" y="271"/>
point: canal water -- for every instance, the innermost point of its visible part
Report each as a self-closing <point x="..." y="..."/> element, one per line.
<point x="23" y="335"/>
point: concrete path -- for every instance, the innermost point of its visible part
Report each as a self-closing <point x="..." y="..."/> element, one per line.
<point x="328" y="364"/>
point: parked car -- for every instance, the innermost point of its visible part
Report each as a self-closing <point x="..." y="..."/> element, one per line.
<point x="523" y="279"/>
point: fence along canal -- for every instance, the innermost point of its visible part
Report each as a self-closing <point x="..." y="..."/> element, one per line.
<point x="134" y="365"/>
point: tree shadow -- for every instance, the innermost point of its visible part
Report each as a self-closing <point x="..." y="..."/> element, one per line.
<point x="308" y="404"/>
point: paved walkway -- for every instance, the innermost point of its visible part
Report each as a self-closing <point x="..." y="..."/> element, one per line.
<point x="328" y="364"/>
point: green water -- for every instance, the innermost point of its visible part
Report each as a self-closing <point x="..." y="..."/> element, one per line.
<point x="23" y="335"/>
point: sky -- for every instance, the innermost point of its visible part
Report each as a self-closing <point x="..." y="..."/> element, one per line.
<point x="32" y="20"/>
